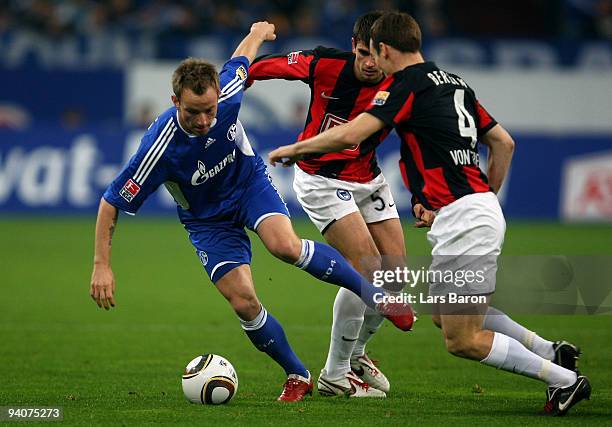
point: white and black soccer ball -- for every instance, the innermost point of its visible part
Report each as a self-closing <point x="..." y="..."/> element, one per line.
<point x="210" y="379"/>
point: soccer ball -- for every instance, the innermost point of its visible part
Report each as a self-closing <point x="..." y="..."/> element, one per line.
<point x="210" y="379"/>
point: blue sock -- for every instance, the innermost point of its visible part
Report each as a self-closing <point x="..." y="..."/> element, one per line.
<point x="327" y="264"/>
<point x="268" y="336"/>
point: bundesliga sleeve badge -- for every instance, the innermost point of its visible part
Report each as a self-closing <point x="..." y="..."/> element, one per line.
<point x="241" y="73"/>
<point x="380" y="98"/>
<point x="130" y="190"/>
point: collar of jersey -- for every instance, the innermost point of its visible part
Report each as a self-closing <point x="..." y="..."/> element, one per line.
<point x="190" y="135"/>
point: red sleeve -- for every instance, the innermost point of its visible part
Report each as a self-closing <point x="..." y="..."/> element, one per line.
<point x="485" y="120"/>
<point x="393" y="101"/>
<point x="290" y="66"/>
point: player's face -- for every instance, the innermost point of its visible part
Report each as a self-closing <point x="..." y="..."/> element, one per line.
<point x="197" y="112"/>
<point x="366" y="69"/>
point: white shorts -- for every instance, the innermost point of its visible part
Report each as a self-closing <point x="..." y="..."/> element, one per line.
<point x="326" y="200"/>
<point x="467" y="235"/>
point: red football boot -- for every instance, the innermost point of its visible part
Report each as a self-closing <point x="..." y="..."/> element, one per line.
<point x="400" y="314"/>
<point x="296" y="387"/>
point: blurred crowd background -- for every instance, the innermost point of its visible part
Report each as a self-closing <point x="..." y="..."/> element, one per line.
<point x="591" y="19"/>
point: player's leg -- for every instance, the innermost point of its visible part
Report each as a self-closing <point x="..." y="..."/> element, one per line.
<point x="350" y="236"/>
<point x="465" y="337"/>
<point x="389" y="239"/>
<point x="560" y="352"/>
<point x="378" y="209"/>
<point x="263" y="210"/>
<point x="261" y="327"/>
<point x="320" y="260"/>
<point x="332" y="207"/>
<point x="462" y="326"/>
<point x="327" y="264"/>
<point x="225" y="252"/>
<point x="264" y="331"/>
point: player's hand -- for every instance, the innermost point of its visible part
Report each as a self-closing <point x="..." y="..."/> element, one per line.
<point x="286" y="155"/>
<point x="102" y="288"/>
<point x="424" y="217"/>
<point x="264" y="30"/>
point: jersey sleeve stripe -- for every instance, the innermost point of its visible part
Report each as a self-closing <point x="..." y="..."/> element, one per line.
<point x="485" y="121"/>
<point x="158" y="154"/>
<point x="230" y="88"/>
<point x="157" y="142"/>
<point x="231" y="85"/>
<point x="229" y="95"/>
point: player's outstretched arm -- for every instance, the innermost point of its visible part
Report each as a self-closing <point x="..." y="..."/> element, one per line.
<point x="338" y="138"/>
<point x="501" y="148"/>
<point x="260" y="32"/>
<point x="102" y="288"/>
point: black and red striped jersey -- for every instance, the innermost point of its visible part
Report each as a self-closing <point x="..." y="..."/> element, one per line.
<point x="336" y="96"/>
<point x="438" y="119"/>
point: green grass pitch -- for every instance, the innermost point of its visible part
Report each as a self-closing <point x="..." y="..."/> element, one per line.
<point x="124" y="366"/>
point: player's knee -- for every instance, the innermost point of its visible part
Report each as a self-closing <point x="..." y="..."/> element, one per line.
<point x="246" y="307"/>
<point x="288" y="249"/>
<point x="460" y="345"/>
<point x="366" y="263"/>
<point x="455" y="345"/>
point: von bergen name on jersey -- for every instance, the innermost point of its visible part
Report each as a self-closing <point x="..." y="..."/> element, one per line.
<point x="442" y="77"/>
<point x="465" y="157"/>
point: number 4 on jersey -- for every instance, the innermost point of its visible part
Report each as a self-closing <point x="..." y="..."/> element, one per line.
<point x="467" y="126"/>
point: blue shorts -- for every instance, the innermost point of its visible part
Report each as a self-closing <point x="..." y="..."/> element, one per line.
<point x="222" y="244"/>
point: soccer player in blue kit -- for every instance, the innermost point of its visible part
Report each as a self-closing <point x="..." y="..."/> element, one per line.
<point x="198" y="149"/>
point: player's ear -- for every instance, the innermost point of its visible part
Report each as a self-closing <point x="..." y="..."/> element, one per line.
<point x="353" y="44"/>
<point x="175" y="101"/>
<point x="383" y="50"/>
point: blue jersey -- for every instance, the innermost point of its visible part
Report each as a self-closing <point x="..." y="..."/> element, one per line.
<point x="206" y="175"/>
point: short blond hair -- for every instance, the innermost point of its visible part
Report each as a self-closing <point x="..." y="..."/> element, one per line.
<point x="195" y="74"/>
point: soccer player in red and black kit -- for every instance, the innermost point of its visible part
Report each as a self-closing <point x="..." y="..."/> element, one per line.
<point x="440" y="121"/>
<point x="345" y="195"/>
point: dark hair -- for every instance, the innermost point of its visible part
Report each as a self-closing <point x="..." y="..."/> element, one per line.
<point x="362" y="30"/>
<point x="398" y="30"/>
<point x="195" y="74"/>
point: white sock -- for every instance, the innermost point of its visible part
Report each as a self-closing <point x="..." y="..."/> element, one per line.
<point x="348" y="317"/>
<point x="497" y="321"/>
<point x="372" y="320"/>
<point x="257" y="323"/>
<point x="510" y="355"/>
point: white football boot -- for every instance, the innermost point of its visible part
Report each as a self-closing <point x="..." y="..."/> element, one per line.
<point x="365" y="369"/>
<point x="351" y="386"/>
